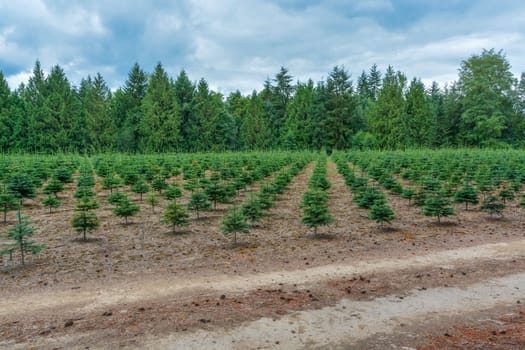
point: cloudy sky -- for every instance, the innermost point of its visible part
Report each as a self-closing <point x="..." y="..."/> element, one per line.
<point x="237" y="44"/>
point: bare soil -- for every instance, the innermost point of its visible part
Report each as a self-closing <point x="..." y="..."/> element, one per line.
<point x="138" y="284"/>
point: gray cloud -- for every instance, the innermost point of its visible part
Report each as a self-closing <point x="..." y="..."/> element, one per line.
<point x="238" y="44"/>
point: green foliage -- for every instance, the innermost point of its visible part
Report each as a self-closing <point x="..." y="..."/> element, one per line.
<point x="381" y="213"/>
<point x="84" y="221"/>
<point x="8" y="201"/>
<point x="153" y="200"/>
<point x="140" y="186"/>
<point x="176" y="215"/>
<point x="315" y="209"/>
<point x="20" y="233"/>
<point x="467" y="194"/>
<point x="252" y="210"/>
<point x="54" y="186"/>
<point x="21" y="186"/>
<point x="408" y="193"/>
<point x="493" y="205"/>
<point x="439" y="206"/>
<point x="199" y="202"/>
<point x="173" y="191"/>
<point x="116" y="198"/>
<point x="234" y="222"/>
<point x="125" y="208"/>
<point x="51" y="203"/>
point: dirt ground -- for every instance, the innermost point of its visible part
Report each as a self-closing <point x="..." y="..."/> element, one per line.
<point x="139" y="285"/>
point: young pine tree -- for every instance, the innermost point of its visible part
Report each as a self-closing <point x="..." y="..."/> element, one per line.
<point x="8" y="202"/>
<point x="54" y="186"/>
<point x="438" y="205"/>
<point x="199" y="202"/>
<point x="21" y="233"/>
<point x="126" y="208"/>
<point x="234" y="222"/>
<point x="51" y="203"/>
<point x="176" y="215"/>
<point x="85" y="220"/>
<point x="315" y="209"/>
<point x="153" y="200"/>
<point x="467" y="194"/>
<point x="493" y="205"/>
<point x="381" y="213"/>
<point x="140" y="187"/>
<point x="252" y="210"/>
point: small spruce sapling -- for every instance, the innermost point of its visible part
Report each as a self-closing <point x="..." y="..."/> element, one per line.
<point x="140" y="187"/>
<point x="439" y="206"/>
<point x="176" y="215"/>
<point x="125" y="208"/>
<point x="21" y="233"/>
<point x="199" y="202"/>
<point x="51" y="203"/>
<point x="493" y="205"/>
<point x="85" y="220"/>
<point x="467" y="194"/>
<point x="234" y="222"/>
<point x="315" y="209"/>
<point x="381" y="213"/>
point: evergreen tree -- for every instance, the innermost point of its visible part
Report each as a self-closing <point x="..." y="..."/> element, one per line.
<point x="8" y="201"/>
<point x="54" y="186"/>
<point x="486" y="83"/>
<point x="140" y="187"/>
<point x="161" y="122"/>
<point x="341" y="121"/>
<point x="153" y="200"/>
<point x="252" y="210"/>
<point x="315" y="209"/>
<point x="176" y="215"/>
<point x="381" y="213"/>
<point x="125" y="208"/>
<point x="467" y="194"/>
<point x="234" y="222"/>
<point x="493" y="205"/>
<point x="85" y="220"/>
<point x="199" y="202"/>
<point x="437" y="205"/>
<point x="51" y="203"/>
<point x="21" y="186"/>
<point x="21" y="233"/>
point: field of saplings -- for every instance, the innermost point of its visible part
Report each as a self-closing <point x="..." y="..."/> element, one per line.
<point x="69" y="218"/>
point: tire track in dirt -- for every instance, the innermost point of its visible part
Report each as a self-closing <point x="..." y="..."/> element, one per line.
<point x="342" y="325"/>
<point x="88" y="298"/>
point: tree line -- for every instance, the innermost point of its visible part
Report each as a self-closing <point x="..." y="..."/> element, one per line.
<point x="154" y="112"/>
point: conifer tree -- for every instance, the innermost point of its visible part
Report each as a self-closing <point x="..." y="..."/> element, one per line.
<point x="467" y="194"/>
<point x="315" y="209"/>
<point x="21" y="233"/>
<point x="438" y="205"/>
<point x="252" y="210"/>
<point x="51" y="203"/>
<point x="176" y="215"/>
<point x="408" y="193"/>
<point x="199" y="202"/>
<point x="234" y="222"/>
<point x="125" y="208"/>
<point x="140" y="187"/>
<point x="54" y="186"/>
<point x="153" y="200"/>
<point x="85" y="220"/>
<point x="8" y="202"/>
<point x="381" y="213"/>
<point x="493" y="205"/>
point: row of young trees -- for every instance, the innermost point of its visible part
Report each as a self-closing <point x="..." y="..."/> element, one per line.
<point x="154" y="112"/>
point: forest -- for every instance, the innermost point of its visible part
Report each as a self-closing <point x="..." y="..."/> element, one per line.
<point x="153" y="112"/>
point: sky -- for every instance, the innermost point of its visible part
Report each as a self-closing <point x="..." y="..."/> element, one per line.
<point x="237" y="44"/>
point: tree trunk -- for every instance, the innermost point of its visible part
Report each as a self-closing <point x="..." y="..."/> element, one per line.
<point x="84" y="231"/>
<point x="22" y="252"/>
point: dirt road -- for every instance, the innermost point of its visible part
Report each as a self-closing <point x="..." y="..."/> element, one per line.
<point x="331" y="326"/>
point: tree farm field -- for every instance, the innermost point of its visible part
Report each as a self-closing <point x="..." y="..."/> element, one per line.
<point x="357" y="249"/>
